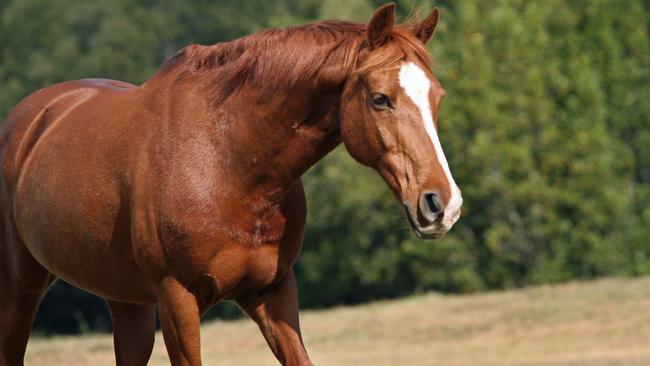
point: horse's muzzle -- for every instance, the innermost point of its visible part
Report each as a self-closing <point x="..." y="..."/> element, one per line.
<point x="429" y="221"/>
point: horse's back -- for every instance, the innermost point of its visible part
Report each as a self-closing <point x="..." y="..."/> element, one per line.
<point x="32" y="117"/>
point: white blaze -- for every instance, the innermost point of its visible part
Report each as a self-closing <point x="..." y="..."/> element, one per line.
<point x="416" y="85"/>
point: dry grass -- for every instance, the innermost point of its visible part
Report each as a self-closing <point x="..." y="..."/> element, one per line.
<point x="601" y="323"/>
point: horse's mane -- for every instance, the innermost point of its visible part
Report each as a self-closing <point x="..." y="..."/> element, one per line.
<point x="287" y="58"/>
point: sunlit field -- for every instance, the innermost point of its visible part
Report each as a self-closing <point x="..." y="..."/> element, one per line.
<point x="606" y="322"/>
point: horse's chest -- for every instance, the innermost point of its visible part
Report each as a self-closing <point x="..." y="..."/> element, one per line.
<point x="266" y="265"/>
<point x="247" y="257"/>
<point x="235" y="247"/>
<point x="273" y="250"/>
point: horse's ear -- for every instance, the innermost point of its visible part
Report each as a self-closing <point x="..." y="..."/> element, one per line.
<point x="424" y="30"/>
<point x="380" y="27"/>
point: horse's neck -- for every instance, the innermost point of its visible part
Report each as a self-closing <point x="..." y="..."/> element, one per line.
<point x="269" y="139"/>
<point x="286" y="136"/>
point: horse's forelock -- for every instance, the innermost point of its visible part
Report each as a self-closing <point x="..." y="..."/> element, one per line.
<point x="403" y="45"/>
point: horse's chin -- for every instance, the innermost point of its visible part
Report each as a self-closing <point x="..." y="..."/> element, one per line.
<point x="431" y="232"/>
<point x="429" y="236"/>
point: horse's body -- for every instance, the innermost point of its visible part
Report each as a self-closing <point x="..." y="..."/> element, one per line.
<point x="180" y="192"/>
<point x="128" y="165"/>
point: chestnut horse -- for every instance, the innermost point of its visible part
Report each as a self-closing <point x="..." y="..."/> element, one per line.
<point x="186" y="190"/>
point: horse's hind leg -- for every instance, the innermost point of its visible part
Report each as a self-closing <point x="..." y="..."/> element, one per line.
<point x="134" y="327"/>
<point x="23" y="281"/>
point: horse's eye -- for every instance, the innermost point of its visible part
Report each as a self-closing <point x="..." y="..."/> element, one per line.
<point x="380" y="101"/>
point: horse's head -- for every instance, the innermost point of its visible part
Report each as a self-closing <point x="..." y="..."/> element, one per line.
<point x="389" y="118"/>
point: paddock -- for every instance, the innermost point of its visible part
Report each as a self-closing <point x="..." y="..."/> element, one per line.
<point x="599" y="323"/>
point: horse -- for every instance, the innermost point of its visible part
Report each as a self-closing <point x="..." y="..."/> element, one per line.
<point x="184" y="191"/>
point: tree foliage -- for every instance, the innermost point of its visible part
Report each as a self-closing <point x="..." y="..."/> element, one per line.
<point x="546" y="127"/>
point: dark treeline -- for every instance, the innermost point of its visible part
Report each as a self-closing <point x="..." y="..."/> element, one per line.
<point x="546" y="126"/>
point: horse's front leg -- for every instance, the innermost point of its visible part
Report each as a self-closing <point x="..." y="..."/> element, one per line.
<point x="134" y="328"/>
<point x="180" y="321"/>
<point x="275" y="310"/>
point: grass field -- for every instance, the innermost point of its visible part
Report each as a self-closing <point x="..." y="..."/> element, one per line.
<point x="601" y="323"/>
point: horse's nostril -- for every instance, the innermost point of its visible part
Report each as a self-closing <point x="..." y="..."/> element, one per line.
<point x="433" y="202"/>
<point x="431" y="206"/>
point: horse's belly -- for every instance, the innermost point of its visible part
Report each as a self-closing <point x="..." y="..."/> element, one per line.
<point x="92" y="268"/>
<point x="104" y="268"/>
